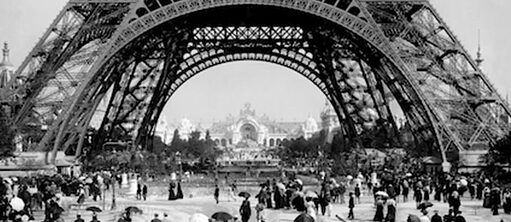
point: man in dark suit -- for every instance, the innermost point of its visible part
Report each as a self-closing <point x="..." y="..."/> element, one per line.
<point x="79" y="218"/>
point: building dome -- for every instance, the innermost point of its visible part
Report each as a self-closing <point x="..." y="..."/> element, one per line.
<point x="311" y="125"/>
<point x="185" y="128"/>
<point x="6" y="67"/>
<point x="162" y="126"/>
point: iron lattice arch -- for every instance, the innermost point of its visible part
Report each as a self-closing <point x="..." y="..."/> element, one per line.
<point x="132" y="55"/>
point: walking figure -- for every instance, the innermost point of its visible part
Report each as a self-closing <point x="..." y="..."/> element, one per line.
<point x="245" y="210"/>
<point x="144" y="191"/>
<point x="357" y="193"/>
<point x="351" y="205"/>
<point x="217" y="193"/>
<point x="139" y="191"/>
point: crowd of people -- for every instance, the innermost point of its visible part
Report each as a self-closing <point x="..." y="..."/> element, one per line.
<point x="21" y="197"/>
<point x="388" y="189"/>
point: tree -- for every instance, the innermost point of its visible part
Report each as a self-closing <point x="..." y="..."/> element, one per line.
<point x="159" y="146"/>
<point x="500" y="151"/>
<point x="177" y="144"/>
<point x="7" y="145"/>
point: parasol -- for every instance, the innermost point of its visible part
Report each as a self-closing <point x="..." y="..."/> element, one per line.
<point x="244" y="194"/>
<point x="93" y="209"/>
<point x="222" y="216"/>
<point x="311" y="194"/>
<point x="464" y="182"/>
<point x="17" y="204"/>
<point x="304" y="218"/>
<point x="425" y="205"/>
<point x="413" y="218"/>
<point x="199" y="218"/>
<point x="382" y="193"/>
<point x="133" y="210"/>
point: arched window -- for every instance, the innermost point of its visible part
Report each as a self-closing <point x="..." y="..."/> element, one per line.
<point x="165" y="2"/>
<point x="278" y="142"/>
<point x="264" y="142"/>
<point x="141" y="12"/>
<point x="151" y="4"/>
<point x="272" y="142"/>
<point x="217" y="142"/>
<point x="224" y="142"/>
<point x="354" y="11"/>
<point x="230" y="141"/>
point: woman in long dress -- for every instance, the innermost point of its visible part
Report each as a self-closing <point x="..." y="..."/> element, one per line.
<point x="507" y="202"/>
<point x="391" y="211"/>
<point x="486" y="197"/>
<point x="245" y="210"/>
<point x="81" y="195"/>
<point x="378" y="216"/>
<point x="172" y="195"/>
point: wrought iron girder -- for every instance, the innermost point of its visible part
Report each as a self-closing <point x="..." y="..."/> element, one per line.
<point x="170" y="68"/>
<point x="56" y="64"/>
<point x="436" y="53"/>
<point x="202" y="60"/>
<point x="251" y="33"/>
<point x="322" y="48"/>
<point x="377" y="53"/>
<point x="53" y="139"/>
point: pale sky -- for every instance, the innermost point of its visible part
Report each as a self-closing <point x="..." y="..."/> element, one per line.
<point x="274" y="90"/>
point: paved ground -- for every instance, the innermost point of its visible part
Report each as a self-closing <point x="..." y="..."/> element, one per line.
<point x="179" y="211"/>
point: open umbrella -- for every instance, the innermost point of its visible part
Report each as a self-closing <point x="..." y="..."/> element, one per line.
<point x="382" y="193"/>
<point x="311" y="194"/>
<point x="298" y="181"/>
<point x="93" y="209"/>
<point x="413" y="218"/>
<point x="222" y="216"/>
<point x="199" y="218"/>
<point x="17" y="204"/>
<point x="304" y="218"/>
<point x="244" y="194"/>
<point x="425" y="205"/>
<point x="464" y="182"/>
<point x="8" y="180"/>
<point x="133" y="210"/>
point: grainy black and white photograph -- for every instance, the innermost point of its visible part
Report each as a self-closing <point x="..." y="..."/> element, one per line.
<point x="255" y="110"/>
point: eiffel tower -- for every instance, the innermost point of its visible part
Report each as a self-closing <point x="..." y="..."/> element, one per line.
<point x="124" y="59"/>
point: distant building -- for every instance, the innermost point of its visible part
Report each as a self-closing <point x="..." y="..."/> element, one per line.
<point x="329" y="121"/>
<point x="6" y="67"/>
<point x="163" y="131"/>
<point x="249" y="127"/>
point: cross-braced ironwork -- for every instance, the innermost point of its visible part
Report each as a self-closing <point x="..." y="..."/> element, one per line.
<point x="124" y="59"/>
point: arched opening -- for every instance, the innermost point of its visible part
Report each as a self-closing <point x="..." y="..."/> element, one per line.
<point x="360" y="75"/>
<point x="248" y="132"/>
